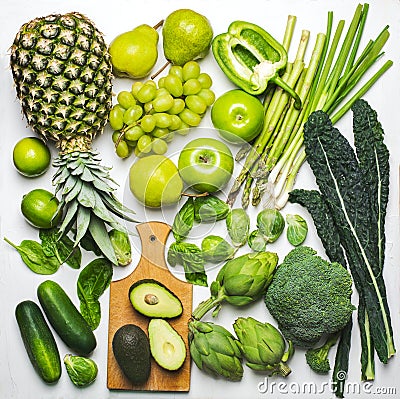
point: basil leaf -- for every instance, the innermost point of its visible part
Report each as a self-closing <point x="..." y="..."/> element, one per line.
<point x="93" y="280"/>
<point x="33" y="255"/>
<point x="183" y="221"/>
<point x="191" y="258"/>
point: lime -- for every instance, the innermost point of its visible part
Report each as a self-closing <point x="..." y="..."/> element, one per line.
<point x="31" y="156"/>
<point x="39" y="208"/>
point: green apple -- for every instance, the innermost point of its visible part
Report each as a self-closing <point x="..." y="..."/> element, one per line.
<point x="206" y="164"/>
<point x="238" y="116"/>
<point x="155" y="181"/>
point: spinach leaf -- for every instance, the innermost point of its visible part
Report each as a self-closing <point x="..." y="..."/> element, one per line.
<point x="34" y="257"/>
<point x="62" y="248"/>
<point x="183" y="221"/>
<point x="93" y="280"/>
<point x="191" y="258"/>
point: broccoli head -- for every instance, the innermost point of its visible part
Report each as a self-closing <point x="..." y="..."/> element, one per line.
<point x="309" y="297"/>
<point x="317" y="358"/>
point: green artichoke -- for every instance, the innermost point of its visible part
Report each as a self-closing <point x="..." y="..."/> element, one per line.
<point x="240" y="281"/>
<point x="263" y="346"/>
<point x="215" y="350"/>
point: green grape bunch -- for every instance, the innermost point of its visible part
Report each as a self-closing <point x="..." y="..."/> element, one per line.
<point x="147" y="118"/>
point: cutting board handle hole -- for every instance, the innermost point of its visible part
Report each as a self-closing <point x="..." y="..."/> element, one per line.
<point x="153" y="238"/>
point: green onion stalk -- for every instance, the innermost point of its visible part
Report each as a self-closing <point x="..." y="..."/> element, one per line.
<point x="328" y="83"/>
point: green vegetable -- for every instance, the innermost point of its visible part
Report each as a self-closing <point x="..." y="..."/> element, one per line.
<point x="215" y="249"/>
<point x="89" y="244"/>
<point x="33" y="255"/>
<point x="335" y="76"/>
<point x="191" y="258"/>
<point x="297" y="229"/>
<point x="39" y="341"/>
<point x="262" y="345"/>
<point x="183" y="221"/>
<point x="357" y="207"/>
<point x="309" y="297"/>
<point x="122" y="246"/>
<point x="317" y="358"/>
<point x="238" y="225"/>
<point x="240" y="281"/>
<point x="93" y="280"/>
<point x="257" y="241"/>
<point x="61" y="247"/>
<point x="251" y="58"/>
<point x="65" y="318"/>
<point x="270" y="223"/>
<point x="81" y="370"/>
<point x="209" y="208"/>
<point x="215" y="350"/>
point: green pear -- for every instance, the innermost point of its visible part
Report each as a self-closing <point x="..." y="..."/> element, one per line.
<point x="155" y="181"/>
<point x="187" y="36"/>
<point x="134" y="53"/>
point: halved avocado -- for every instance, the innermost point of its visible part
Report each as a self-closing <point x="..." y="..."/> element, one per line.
<point x="166" y="345"/>
<point x="151" y="298"/>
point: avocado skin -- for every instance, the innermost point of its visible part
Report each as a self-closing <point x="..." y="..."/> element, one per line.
<point x="131" y="349"/>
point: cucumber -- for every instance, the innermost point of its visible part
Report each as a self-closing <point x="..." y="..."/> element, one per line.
<point x="39" y="341"/>
<point x="65" y="318"/>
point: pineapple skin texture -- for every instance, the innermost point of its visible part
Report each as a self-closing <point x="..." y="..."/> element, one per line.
<point x="63" y="76"/>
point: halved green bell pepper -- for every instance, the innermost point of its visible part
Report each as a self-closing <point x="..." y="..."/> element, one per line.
<point x="250" y="57"/>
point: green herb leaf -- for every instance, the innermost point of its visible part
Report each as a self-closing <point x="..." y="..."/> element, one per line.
<point x="93" y="280"/>
<point x="34" y="257"/>
<point x="62" y="248"/>
<point x="183" y="221"/>
<point x="191" y="258"/>
<point x="210" y="209"/>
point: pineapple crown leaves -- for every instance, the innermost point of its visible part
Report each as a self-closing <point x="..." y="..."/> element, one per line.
<point x="88" y="199"/>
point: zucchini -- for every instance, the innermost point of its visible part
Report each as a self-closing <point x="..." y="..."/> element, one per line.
<point x="65" y="318"/>
<point x="39" y="341"/>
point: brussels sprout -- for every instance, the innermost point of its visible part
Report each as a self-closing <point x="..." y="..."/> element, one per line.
<point x="270" y="223"/>
<point x="81" y="370"/>
<point x="210" y="209"/>
<point x="257" y="241"/>
<point x="215" y="249"/>
<point x="297" y="229"/>
<point x="122" y="247"/>
<point x="238" y="224"/>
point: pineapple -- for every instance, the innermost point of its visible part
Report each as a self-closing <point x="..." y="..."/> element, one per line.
<point x="62" y="73"/>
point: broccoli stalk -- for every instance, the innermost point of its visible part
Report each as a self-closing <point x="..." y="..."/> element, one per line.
<point x="317" y="358"/>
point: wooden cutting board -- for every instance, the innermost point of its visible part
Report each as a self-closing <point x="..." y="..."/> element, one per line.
<point x="153" y="236"/>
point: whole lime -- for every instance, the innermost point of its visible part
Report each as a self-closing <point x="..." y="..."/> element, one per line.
<point x="39" y="208"/>
<point x="31" y="156"/>
<point x="154" y="180"/>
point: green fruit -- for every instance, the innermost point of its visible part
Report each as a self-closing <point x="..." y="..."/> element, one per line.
<point x="166" y="345"/>
<point x="155" y="181"/>
<point x="187" y="36"/>
<point x="39" y="208"/>
<point x="131" y="349"/>
<point x="134" y="53"/>
<point x="153" y="299"/>
<point x="31" y="157"/>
